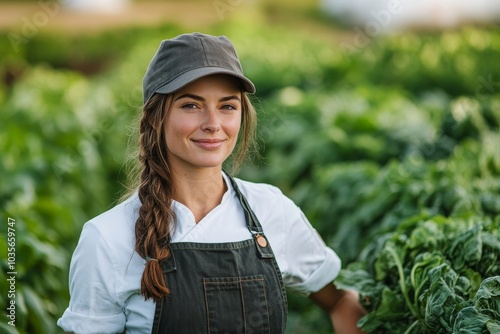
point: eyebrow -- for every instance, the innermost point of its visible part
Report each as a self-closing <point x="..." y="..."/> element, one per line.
<point x="200" y="98"/>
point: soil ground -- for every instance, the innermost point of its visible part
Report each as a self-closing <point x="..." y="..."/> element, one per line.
<point x="194" y="15"/>
<point x="14" y="15"/>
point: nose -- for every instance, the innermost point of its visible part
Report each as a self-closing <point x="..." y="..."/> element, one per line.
<point x="211" y="122"/>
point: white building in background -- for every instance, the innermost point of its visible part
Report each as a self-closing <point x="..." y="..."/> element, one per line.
<point x="400" y="14"/>
<point x="96" y="6"/>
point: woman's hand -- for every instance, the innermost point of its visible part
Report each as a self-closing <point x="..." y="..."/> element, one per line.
<point x="343" y="307"/>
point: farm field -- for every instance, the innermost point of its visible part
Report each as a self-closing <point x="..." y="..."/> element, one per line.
<point x="391" y="148"/>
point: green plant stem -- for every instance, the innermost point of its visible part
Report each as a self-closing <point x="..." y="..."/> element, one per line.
<point x="413" y="325"/>
<point x="415" y="287"/>
<point x="402" y="284"/>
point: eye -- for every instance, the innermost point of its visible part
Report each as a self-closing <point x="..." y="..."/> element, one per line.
<point x="229" y="107"/>
<point x="189" y="106"/>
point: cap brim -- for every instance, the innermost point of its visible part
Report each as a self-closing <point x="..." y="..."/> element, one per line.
<point x="190" y="76"/>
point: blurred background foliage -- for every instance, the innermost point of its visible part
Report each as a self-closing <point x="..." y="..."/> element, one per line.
<point x="360" y="139"/>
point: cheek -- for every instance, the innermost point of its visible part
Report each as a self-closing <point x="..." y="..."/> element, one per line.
<point x="235" y="129"/>
<point x="178" y="127"/>
<point x="234" y="126"/>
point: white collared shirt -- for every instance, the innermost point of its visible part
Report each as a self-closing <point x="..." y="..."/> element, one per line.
<point x="105" y="271"/>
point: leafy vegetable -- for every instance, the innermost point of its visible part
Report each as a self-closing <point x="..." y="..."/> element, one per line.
<point x="426" y="278"/>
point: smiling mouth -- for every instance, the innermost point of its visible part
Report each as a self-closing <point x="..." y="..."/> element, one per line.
<point x="209" y="144"/>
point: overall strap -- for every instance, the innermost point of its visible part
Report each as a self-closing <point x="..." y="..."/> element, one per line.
<point x="253" y="224"/>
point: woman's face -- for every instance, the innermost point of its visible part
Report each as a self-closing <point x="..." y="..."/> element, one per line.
<point x="202" y="124"/>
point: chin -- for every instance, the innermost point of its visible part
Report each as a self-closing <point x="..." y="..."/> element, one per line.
<point x="208" y="164"/>
<point x="209" y="161"/>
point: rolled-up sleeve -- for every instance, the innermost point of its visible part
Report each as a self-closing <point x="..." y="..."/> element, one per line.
<point x="310" y="264"/>
<point x="94" y="306"/>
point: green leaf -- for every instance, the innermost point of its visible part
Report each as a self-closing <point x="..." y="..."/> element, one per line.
<point x="441" y="299"/>
<point x="39" y="318"/>
<point x="390" y="314"/>
<point x="357" y="279"/>
<point x="466" y="249"/>
<point x="487" y="298"/>
<point x="425" y="235"/>
<point x="8" y="329"/>
<point x="420" y="278"/>
<point x="493" y="326"/>
<point x="490" y="260"/>
<point x="470" y="321"/>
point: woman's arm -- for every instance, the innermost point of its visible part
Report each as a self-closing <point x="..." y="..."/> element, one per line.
<point x="342" y="306"/>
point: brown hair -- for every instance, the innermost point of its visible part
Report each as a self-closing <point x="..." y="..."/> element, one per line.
<point x="156" y="187"/>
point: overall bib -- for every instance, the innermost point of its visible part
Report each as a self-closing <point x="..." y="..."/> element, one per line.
<point x="233" y="287"/>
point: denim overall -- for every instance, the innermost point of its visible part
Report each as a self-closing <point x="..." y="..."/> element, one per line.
<point x="233" y="287"/>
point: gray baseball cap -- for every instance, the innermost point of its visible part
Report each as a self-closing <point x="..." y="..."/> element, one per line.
<point x="188" y="57"/>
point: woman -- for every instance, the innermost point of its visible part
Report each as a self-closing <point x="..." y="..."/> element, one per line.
<point x="190" y="251"/>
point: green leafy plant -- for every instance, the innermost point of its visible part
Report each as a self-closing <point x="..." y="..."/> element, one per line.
<point x="432" y="275"/>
